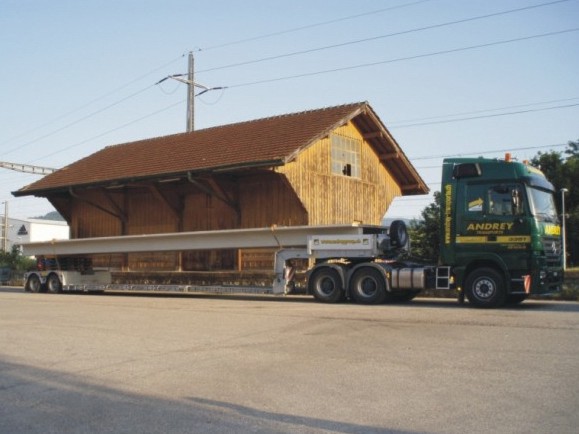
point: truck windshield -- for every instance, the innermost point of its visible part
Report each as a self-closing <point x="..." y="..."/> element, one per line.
<point x="542" y="205"/>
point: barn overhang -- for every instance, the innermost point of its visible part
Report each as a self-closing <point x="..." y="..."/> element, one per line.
<point x="156" y="178"/>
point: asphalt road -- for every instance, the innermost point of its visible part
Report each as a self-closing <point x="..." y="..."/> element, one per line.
<point x="202" y="364"/>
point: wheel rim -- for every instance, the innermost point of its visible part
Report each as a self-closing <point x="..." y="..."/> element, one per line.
<point x="326" y="286"/>
<point x="53" y="284"/>
<point x="484" y="288"/>
<point x="34" y="284"/>
<point x="368" y="286"/>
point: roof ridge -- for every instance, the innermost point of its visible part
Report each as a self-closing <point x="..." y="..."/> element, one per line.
<point x="283" y="115"/>
<point x="303" y="112"/>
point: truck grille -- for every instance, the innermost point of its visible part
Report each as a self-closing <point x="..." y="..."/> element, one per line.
<point x="552" y="248"/>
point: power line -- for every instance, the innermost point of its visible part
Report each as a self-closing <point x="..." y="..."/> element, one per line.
<point x="388" y="35"/>
<point x="91" y="102"/>
<point x="322" y="72"/>
<point x="112" y="130"/>
<point x="52" y="133"/>
<point x="400" y="59"/>
<point x="309" y="26"/>
<point x="420" y="124"/>
<point x="327" y="71"/>
<point x="487" y="151"/>
<point x="404" y="123"/>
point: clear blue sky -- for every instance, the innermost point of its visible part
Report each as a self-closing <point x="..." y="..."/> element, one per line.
<point x="78" y="75"/>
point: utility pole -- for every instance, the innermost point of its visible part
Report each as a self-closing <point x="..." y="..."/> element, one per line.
<point x="191" y="85"/>
<point x="563" y="228"/>
<point x="191" y="94"/>
<point x="5" y="229"/>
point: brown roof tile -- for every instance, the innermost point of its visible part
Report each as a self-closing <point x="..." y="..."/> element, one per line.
<point x="270" y="141"/>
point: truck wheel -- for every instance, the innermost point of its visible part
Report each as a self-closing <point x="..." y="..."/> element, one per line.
<point x="368" y="286"/>
<point x="53" y="284"/>
<point x="326" y="286"/>
<point x="33" y="284"/>
<point x="485" y="287"/>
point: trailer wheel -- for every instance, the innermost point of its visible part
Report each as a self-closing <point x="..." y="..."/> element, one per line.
<point x="326" y="285"/>
<point x="53" y="284"/>
<point x="33" y="284"/>
<point x="368" y="286"/>
<point x="485" y="287"/>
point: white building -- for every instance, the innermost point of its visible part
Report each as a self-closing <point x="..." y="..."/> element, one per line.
<point x="23" y="231"/>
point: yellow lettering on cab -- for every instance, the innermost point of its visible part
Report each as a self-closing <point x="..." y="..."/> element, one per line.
<point x="552" y="230"/>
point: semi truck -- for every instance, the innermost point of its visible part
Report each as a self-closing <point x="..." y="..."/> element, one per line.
<point x="500" y="241"/>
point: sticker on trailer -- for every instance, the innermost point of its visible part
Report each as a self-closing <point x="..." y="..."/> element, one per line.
<point x="329" y="242"/>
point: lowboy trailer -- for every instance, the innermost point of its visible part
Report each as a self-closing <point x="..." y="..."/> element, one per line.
<point x="347" y="261"/>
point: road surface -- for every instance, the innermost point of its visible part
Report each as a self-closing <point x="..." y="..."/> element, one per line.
<point x="206" y="364"/>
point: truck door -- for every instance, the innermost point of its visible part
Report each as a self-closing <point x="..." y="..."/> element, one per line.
<point x="491" y="223"/>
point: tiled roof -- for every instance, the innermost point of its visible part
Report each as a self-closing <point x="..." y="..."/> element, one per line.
<point x="263" y="142"/>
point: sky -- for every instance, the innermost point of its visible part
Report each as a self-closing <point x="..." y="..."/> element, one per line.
<point x="446" y="77"/>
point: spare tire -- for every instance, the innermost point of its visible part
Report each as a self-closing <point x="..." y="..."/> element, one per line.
<point x="398" y="233"/>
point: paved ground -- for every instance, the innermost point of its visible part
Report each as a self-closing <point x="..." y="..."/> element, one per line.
<point x="196" y="364"/>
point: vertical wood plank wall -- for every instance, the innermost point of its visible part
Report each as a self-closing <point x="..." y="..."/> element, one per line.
<point x="337" y="199"/>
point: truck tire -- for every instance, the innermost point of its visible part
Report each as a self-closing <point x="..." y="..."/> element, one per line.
<point x="398" y="233"/>
<point x="368" y="286"/>
<point x="326" y="286"/>
<point x="33" y="284"/>
<point x="53" y="284"/>
<point x="485" y="287"/>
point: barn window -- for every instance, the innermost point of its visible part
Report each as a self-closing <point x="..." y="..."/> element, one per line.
<point x="345" y="155"/>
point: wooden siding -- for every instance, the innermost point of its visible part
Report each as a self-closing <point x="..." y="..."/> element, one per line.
<point x="338" y="199"/>
<point x="268" y="199"/>
<point x="87" y="220"/>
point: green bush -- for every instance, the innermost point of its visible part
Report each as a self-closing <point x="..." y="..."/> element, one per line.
<point x="16" y="262"/>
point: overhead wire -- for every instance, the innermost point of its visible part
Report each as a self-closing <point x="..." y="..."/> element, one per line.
<point x="52" y="133"/>
<point x="388" y="35"/>
<point x="485" y="151"/>
<point x="309" y="26"/>
<point x="401" y="123"/>
<point x="400" y="59"/>
<point x="373" y="64"/>
<point x="494" y="115"/>
<point x="172" y="61"/>
<point x="113" y="130"/>
<point x="91" y="102"/>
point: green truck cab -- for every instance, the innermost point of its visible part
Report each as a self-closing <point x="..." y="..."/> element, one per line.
<point x="500" y="234"/>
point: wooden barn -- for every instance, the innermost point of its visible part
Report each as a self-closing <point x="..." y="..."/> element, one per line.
<point x="336" y="165"/>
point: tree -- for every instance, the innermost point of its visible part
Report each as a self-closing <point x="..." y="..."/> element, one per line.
<point x="425" y="232"/>
<point x="562" y="169"/>
<point x="15" y="261"/>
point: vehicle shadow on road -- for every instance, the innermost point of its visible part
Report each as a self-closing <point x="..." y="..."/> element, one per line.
<point x="418" y="302"/>
<point x="36" y="400"/>
<point x="292" y="422"/>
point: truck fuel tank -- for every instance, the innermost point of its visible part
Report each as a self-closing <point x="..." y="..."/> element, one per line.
<point x="408" y="278"/>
